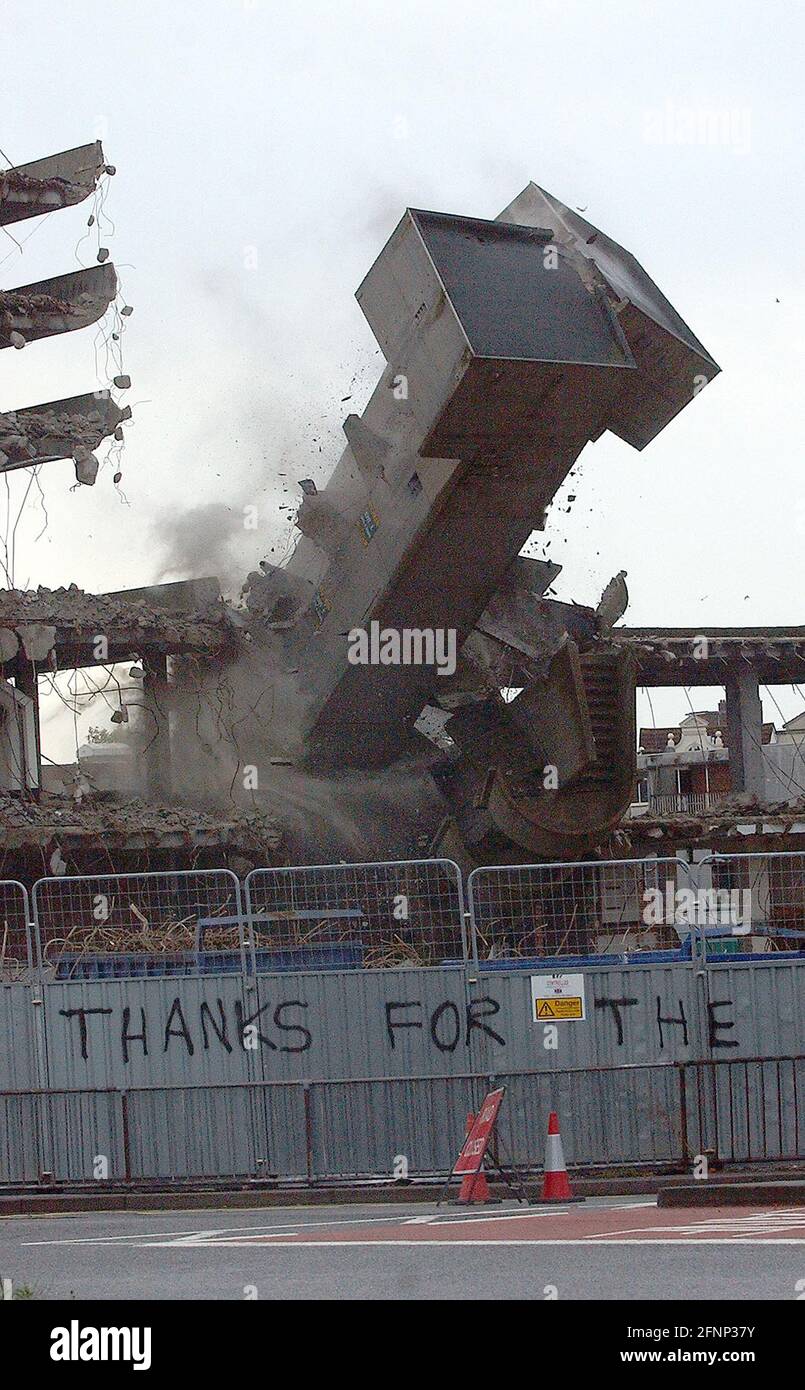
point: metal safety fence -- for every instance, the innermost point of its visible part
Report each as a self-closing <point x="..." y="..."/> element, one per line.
<point x="611" y="908"/>
<point x="606" y="912"/>
<point x="109" y="926"/>
<point x="345" y="916"/>
<point x="16" y="950"/>
<point x="339" y="917"/>
<point x="651" y="1115"/>
<point x="762" y="895"/>
<point x="747" y="1110"/>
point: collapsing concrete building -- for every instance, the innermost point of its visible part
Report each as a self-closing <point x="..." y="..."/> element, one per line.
<point x="510" y="346"/>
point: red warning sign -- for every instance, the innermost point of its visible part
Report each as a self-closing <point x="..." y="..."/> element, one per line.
<point x="477" y="1141"/>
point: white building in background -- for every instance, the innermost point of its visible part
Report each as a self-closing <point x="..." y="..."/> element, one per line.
<point x="686" y="769"/>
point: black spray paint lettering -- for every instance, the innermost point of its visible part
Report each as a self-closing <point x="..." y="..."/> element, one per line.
<point x="126" y="1037"/>
<point x="180" y="1030"/>
<point x="306" y="1037"/>
<point x="82" y="1015"/>
<point x="616" y="1005"/>
<point x="446" y="1023"/>
<point x="219" y="1029"/>
<point x="716" y="1026"/>
<point x="680" y="1021"/>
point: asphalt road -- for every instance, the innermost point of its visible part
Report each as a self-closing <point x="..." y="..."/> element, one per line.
<point x="613" y="1248"/>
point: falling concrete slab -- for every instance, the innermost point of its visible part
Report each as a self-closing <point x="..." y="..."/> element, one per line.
<point x="60" y="305"/>
<point x="43" y="185"/>
<point x="39" y="433"/>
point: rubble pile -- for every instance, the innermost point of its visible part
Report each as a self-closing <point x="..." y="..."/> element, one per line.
<point x="733" y="817"/>
<point x="17" y="186"/>
<point x="55" y="818"/>
<point x="75" y="614"/>
<point x="26" y="434"/>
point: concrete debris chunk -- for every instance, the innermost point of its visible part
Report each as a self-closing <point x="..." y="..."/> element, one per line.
<point x="57" y="864"/>
<point x="86" y="466"/>
<point x="9" y="645"/>
<point x="37" y="640"/>
<point x="613" y="602"/>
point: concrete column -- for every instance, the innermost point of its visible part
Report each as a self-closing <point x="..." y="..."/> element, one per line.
<point x="28" y="684"/>
<point x="745" y="734"/>
<point x="156" y="697"/>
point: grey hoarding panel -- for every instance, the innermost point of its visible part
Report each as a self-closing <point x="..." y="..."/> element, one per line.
<point x="744" y="1110"/>
<point x="17" y="1052"/>
<point x="766" y="1002"/>
<point x="401" y="1023"/>
<point x="75" y="1136"/>
<point x="369" y="1126"/>
<point x="634" y="1014"/>
<point x="629" y="1116"/>
<point x="226" y="1131"/>
<point x="168" y="1032"/>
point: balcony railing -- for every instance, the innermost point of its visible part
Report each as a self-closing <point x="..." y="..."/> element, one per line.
<point x="679" y="804"/>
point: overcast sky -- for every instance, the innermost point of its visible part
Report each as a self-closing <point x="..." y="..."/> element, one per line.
<point x="264" y="154"/>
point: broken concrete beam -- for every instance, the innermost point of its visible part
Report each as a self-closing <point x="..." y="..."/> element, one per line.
<point x="182" y="596"/>
<point x="58" y="181"/>
<point x="9" y="645"/>
<point x="55" y="429"/>
<point x="60" y="305"/>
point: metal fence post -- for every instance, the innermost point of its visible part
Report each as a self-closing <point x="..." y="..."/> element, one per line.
<point x="308" y="1106"/>
<point x="684" y="1140"/>
<point x="125" y="1134"/>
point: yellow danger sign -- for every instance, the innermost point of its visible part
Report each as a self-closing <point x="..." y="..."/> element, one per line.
<point x="559" y="1008"/>
<point x="558" y="997"/>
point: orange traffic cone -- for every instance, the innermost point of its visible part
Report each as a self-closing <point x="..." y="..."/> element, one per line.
<point x="474" y="1186"/>
<point x="555" y="1186"/>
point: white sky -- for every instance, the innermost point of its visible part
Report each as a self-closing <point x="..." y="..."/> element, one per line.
<point x="264" y="154"/>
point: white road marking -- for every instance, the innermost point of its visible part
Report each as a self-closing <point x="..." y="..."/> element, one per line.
<point x="286" y="1244"/>
<point x="765" y="1223"/>
<point x="429" y="1218"/>
<point x="133" y="1236"/>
